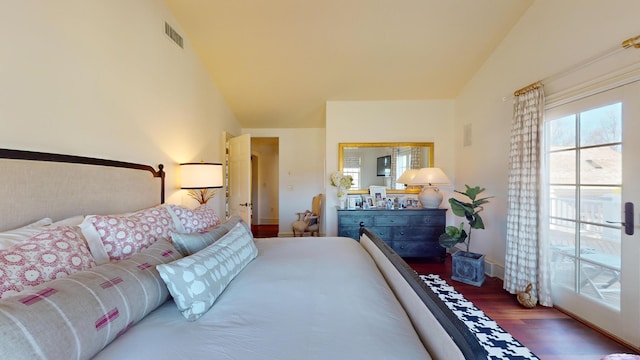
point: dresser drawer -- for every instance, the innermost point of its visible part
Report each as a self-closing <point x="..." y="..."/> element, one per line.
<point x="418" y="249"/>
<point x="418" y="233"/>
<point x="437" y="220"/>
<point x="385" y="233"/>
<point x="350" y="232"/>
<point x="355" y="221"/>
<point x="390" y="220"/>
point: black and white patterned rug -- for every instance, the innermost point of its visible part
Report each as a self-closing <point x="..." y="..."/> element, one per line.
<point x="498" y="343"/>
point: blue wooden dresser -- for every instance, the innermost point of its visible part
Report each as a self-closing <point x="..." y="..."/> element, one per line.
<point x="409" y="232"/>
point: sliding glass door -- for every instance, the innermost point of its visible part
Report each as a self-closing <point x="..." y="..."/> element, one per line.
<point x="592" y="157"/>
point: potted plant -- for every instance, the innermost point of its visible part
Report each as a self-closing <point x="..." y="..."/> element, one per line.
<point x="467" y="267"/>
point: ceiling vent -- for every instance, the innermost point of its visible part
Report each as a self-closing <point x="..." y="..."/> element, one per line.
<point x="173" y="34"/>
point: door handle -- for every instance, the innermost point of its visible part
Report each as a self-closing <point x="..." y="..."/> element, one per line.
<point x="245" y="204"/>
<point x="628" y="219"/>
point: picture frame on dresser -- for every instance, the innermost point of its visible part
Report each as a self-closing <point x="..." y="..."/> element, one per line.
<point x="367" y="202"/>
<point x="354" y="202"/>
<point x="378" y="192"/>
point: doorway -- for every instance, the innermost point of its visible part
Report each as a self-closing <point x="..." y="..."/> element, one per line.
<point x="592" y="158"/>
<point x="265" y="181"/>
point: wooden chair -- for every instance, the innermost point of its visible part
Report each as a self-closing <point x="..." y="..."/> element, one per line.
<point x="309" y="221"/>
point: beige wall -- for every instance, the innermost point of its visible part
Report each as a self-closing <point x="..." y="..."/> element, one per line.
<point x="387" y="121"/>
<point x="551" y="37"/>
<point x="100" y="79"/>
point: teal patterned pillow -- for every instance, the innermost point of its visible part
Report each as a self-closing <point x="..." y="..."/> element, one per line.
<point x="196" y="281"/>
<point x="191" y="243"/>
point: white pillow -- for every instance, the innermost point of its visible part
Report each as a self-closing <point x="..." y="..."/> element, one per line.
<point x="13" y="237"/>
<point x="196" y="281"/>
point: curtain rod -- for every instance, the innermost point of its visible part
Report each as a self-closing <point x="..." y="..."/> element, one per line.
<point x="630" y="42"/>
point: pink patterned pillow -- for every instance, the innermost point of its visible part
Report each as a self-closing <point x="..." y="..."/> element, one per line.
<point x="47" y="255"/>
<point x="197" y="220"/>
<point x="122" y="236"/>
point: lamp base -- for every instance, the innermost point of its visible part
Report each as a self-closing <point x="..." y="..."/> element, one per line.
<point x="430" y="197"/>
<point x="202" y="195"/>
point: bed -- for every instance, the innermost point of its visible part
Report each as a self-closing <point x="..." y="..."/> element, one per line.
<point x="275" y="298"/>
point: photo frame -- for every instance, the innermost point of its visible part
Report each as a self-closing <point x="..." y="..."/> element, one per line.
<point x="403" y="202"/>
<point x="390" y="203"/>
<point x="377" y="192"/>
<point x="367" y="202"/>
<point x="414" y="203"/>
<point x="354" y="202"/>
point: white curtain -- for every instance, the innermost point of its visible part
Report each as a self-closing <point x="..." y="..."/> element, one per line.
<point x="525" y="258"/>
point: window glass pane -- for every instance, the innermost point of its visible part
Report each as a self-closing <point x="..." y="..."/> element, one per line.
<point x="601" y="245"/>
<point x="562" y="205"/>
<point x="600" y="283"/>
<point x="602" y="125"/>
<point x="562" y="133"/>
<point x="562" y="167"/>
<point x="563" y="268"/>
<point x="601" y="165"/>
<point x="600" y="204"/>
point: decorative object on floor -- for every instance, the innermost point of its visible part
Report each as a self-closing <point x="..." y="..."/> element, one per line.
<point x="526" y="299"/>
<point x="498" y="343"/>
<point x="430" y="196"/>
<point x="342" y="183"/>
<point x="467" y="267"/>
<point x="309" y="221"/>
<point x="198" y="178"/>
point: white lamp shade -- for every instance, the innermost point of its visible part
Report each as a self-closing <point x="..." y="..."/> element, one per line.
<point x="407" y="176"/>
<point x="201" y="175"/>
<point x="430" y="176"/>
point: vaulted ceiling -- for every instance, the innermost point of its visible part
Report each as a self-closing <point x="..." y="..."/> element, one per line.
<point x="276" y="62"/>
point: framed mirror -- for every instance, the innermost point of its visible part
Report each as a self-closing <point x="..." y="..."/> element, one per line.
<point x="382" y="163"/>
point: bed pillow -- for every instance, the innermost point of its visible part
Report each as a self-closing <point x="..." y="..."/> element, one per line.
<point x="75" y="317"/>
<point x="117" y="237"/>
<point x="12" y="237"/>
<point x="47" y="255"/>
<point x="196" y="220"/>
<point x="196" y="281"/>
<point x="70" y="221"/>
<point x="191" y="243"/>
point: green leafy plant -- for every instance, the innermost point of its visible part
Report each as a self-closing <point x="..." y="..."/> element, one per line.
<point x="469" y="210"/>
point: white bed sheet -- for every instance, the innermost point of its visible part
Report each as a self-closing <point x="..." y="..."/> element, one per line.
<point x="301" y="298"/>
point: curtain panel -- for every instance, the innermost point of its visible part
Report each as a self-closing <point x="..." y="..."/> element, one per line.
<point x="525" y="260"/>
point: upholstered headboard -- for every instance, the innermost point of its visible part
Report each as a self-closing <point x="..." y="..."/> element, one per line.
<point x="34" y="185"/>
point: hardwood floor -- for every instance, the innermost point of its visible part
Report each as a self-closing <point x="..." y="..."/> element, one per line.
<point x="264" y="231"/>
<point x="549" y="333"/>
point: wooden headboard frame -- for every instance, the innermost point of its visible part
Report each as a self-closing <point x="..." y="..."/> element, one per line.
<point x="57" y="186"/>
<point x="72" y="159"/>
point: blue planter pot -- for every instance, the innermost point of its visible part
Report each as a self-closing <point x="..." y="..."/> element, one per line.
<point x="468" y="267"/>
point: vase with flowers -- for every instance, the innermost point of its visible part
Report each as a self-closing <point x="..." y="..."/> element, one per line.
<point x="343" y="183"/>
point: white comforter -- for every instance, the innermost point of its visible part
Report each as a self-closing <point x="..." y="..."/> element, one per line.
<point x="301" y="298"/>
